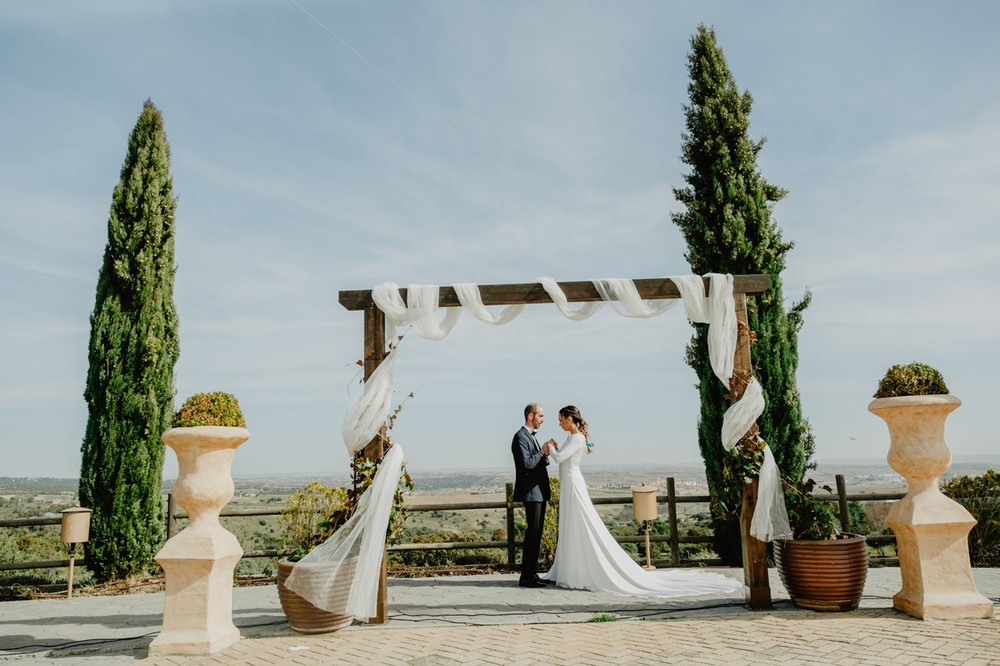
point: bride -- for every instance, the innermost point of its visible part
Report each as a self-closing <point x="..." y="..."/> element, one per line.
<point x="587" y="556"/>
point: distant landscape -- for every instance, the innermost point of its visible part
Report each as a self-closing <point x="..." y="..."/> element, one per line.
<point x="41" y="497"/>
<point x="860" y="475"/>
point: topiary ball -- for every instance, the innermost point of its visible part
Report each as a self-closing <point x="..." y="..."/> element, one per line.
<point x="210" y="409"/>
<point x="912" y="379"/>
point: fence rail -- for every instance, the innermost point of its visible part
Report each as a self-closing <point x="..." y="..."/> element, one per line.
<point x="671" y="499"/>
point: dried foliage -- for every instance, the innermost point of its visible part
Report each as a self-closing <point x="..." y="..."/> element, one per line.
<point x="311" y="515"/>
<point x="210" y="409"/>
<point x="912" y="379"/>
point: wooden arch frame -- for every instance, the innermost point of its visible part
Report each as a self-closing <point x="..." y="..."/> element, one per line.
<point x="757" y="588"/>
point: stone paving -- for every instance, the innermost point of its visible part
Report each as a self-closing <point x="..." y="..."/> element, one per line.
<point x="489" y="620"/>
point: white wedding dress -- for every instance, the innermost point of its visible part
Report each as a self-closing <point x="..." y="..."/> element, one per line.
<point x="588" y="557"/>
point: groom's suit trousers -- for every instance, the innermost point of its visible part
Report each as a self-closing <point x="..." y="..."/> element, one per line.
<point x="534" y="513"/>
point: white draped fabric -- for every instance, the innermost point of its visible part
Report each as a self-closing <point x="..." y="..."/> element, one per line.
<point x="624" y="297"/>
<point x="559" y="298"/>
<point x="420" y="309"/>
<point x="327" y="567"/>
<point x="341" y="575"/>
<point x="367" y="414"/>
<point x="472" y="301"/>
<point x="770" y="519"/>
<point x="718" y="311"/>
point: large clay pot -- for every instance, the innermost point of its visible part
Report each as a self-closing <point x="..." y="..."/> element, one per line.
<point x="823" y="575"/>
<point x="303" y="616"/>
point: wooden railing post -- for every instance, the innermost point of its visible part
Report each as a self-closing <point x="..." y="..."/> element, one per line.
<point x="171" y="517"/>
<point x="511" y="553"/>
<point x="675" y="548"/>
<point x="845" y="514"/>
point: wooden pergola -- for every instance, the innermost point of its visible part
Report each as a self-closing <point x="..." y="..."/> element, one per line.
<point x="758" y="591"/>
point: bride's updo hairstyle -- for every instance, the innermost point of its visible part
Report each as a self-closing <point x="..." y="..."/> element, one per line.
<point x="572" y="413"/>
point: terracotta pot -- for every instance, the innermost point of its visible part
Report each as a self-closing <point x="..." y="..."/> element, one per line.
<point x="824" y="575"/>
<point x="302" y="615"/>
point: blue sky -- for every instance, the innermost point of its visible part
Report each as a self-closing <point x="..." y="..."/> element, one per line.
<point x="321" y="146"/>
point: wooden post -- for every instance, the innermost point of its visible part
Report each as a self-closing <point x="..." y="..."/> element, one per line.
<point x="171" y="517"/>
<point x="757" y="586"/>
<point x="69" y="576"/>
<point x="845" y="514"/>
<point x="374" y="354"/>
<point x="675" y="549"/>
<point x="511" y="553"/>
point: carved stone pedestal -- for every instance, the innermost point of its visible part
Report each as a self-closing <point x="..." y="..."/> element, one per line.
<point x="931" y="529"/>
<point x="199" y="561"/>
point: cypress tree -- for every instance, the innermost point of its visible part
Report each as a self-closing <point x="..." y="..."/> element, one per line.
<point x="728" y="229"/>
<point x="132" y="352"/>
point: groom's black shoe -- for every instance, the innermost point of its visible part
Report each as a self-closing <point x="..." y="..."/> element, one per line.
<point x="531" y="582"/>
<point x="542" y="580"/>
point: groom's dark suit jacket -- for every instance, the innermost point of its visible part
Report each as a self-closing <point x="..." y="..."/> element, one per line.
<point x="531" y="483"/>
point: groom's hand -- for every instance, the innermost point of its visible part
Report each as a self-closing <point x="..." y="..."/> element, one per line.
<point x="545" y="449"/>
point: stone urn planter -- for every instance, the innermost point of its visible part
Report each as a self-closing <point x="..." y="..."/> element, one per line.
<point x="823" y="574"/>
<point x="931" y="529"/>
<point x="198" y="562"/>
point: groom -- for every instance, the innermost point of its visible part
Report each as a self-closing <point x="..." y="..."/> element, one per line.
<point x="531" y="486"/>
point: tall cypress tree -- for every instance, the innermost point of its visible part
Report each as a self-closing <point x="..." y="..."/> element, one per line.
<point x="728" y="228"/>
<point x="133" y="349"/>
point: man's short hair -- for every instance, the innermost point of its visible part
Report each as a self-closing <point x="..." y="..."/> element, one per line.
<point x="532" y="408"/>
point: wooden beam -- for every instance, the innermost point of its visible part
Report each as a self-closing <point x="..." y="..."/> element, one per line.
<point x="757" y="586"/>
<point x="576" y="292"/>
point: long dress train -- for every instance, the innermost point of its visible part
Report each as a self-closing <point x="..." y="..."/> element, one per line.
<point x="587" y="556"/>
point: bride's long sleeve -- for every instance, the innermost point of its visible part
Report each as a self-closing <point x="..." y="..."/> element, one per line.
<point x="572" y="444"/>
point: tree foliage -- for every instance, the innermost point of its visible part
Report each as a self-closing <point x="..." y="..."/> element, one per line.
<point x="980" y="495"/>
<point x="132" y="352"/>
<point x="727" y="225"/>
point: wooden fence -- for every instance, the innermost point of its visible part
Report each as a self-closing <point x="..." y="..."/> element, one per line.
<point x="172" y="515"/>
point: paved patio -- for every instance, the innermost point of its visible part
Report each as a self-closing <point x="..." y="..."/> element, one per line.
<point x="489" y="620"/>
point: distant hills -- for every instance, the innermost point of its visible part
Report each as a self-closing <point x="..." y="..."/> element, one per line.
<point x="611" y="476"/>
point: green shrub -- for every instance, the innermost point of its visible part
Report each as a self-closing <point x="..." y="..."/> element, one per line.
<point x="550" y="530"/>
<point x="311" y="514"/>
<point x="695" y="551"/>
<point x="981" y="496"/>
<point x="810" y="517"/>
<point x="912" y="379"/>
<point x="364" y="471"/>
<point x="210" y="409"/>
